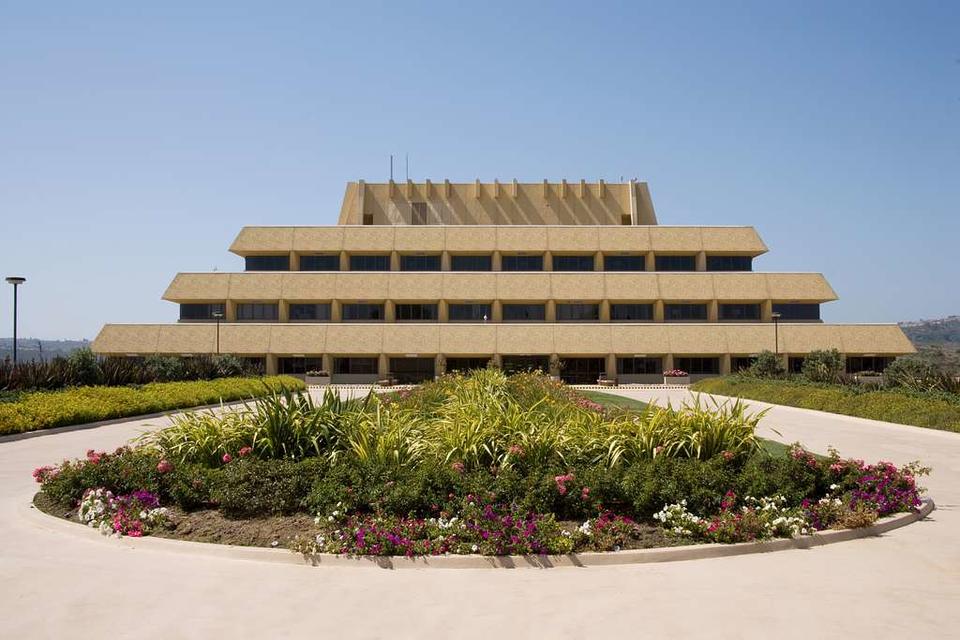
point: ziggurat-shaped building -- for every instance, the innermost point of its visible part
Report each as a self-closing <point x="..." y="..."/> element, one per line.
<point x="578" y="279"/>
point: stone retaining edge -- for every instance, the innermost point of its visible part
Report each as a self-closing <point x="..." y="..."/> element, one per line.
<point x="586" y="559"/>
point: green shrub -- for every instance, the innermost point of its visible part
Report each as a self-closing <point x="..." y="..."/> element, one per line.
<point x="651" y="485"/>
<point x="46" y="409"/>
<point x="122" y="472"/>
<point x="919" y="375"/>
<point x="250" y="488"/>
<point x="767" y="365"/>
<point x="823" y="366"/>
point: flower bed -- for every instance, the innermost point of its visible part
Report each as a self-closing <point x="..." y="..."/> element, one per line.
<point x="484" y="464"/>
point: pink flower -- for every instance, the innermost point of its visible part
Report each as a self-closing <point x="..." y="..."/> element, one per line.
<point x="585" y="493"/>
<point x="458" y="467"/>
<point x="93" y="457"/>
<point x="227" y="458"/>
<point x="164" y="466"/>
<point x="561" y="482"/>
<point x="515" y="450"/>
<point x="245" y="451"/>
<point x="728" y="455"/>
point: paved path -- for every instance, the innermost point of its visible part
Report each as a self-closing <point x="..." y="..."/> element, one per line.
<point x="904" y="584"/>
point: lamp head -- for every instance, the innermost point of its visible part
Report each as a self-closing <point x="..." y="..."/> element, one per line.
<point x="775" y="315"/>
<point x="15" y="280"/>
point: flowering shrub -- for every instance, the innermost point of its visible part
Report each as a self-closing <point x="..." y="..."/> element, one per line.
<point x="134" y="515"/>
<point x="675" y="373"/>
<point x="607" y="532"/>
<point x="756" y="519"/>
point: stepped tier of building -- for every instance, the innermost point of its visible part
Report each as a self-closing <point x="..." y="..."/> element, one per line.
<point x="573" y="278"/>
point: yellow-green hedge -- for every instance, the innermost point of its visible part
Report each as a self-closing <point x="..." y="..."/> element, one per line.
<point x="46" y="409"/>
<point x="890" y="406"/>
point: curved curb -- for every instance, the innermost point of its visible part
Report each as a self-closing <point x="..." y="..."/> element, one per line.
<point x="586" y="559"/>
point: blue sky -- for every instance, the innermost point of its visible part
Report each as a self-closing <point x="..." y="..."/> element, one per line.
<point x="137" y="140"/>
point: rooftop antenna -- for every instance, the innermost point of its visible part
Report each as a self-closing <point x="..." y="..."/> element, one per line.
<point x="391" y="167"/>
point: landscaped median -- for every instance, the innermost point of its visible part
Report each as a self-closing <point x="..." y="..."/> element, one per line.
<point x="78" y="405"/>
<point x="477" y="465"/>
<point x="935" y="410"/>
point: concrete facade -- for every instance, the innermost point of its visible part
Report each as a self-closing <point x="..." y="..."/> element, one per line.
<point x="690" y="297"/>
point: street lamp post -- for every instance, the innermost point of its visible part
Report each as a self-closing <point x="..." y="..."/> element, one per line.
<point x="218" y="315"/>
<point x="16" y="281"/>
<point x="776" y="333"/>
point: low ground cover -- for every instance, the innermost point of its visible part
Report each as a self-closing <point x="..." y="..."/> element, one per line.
<point x="31" y="411"/>
<point x="935" y="410"/>
<point x="480" y="464"/>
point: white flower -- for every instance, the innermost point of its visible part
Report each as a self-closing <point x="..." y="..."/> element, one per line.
<point x="474" y="548"/>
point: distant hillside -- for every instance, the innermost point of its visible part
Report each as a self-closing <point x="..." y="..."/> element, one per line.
<point x="937" y="341"/>
<point x="38" y="349"/>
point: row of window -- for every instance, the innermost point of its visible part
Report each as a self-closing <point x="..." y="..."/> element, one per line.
<point x="508" y="262"/>
<point x="482" y="312"/>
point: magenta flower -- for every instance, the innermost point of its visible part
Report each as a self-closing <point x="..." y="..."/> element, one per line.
<point x="227" y="458"/>
<point x="164" y="466"/>
<point x="245" y="451"/>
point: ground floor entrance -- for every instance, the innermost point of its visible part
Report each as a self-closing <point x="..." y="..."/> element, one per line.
<point x="463" y="365"/>
<point x="582" y="370"/>
<point x="412" y="370"/>
<point x="519" y="364"/>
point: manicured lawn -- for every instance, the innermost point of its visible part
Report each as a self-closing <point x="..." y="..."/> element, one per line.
<point x="610" y="400"/>
<point x="933" y="410"/>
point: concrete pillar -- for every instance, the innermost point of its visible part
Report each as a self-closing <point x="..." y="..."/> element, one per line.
<point x="598" y="261"/>
<point x="394" y="261"/>
<point x="327" y="360"/>
<point x="554" y="365"/>
<point x="271" y="365"/>
<point x="445" y="261"/>
<point x="611" y="365"/>
<point x="668" y="362"/>
<point x="294" y="263"/>
<point x="439" y="365"/>
<point x="547" y="261"/>
<point x="344" y="261"/>
<point x="497" y="360"/>
<point x="496" y="262"/>
<point x="336" y="311"/>
<point x="766" y="311"/>
<point x="551" y="311"/>
<point x="443" y="311"/>
<point x="496" y="309"/>
<point x="383" y="366"/>
<point x="713" y="311"/>
<point x="283" y="311"/>
<point x="725" y="364"/>
<point x="389" y="311"/>
<point x="651" y="262"/>
<point x="701" y="264"/>
<point x="230" y="311"/>
<point x="604" y="310"/>
<point x="658" y="311"/>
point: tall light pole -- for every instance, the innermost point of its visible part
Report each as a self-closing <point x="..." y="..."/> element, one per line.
<point x="776" y="333"/>
<point x="16" y="281"/>
<point x="219" y="316"/>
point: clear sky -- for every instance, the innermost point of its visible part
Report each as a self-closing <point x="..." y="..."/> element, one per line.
<point x="137" y="138"/>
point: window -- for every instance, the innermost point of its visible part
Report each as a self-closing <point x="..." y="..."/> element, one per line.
<point x="466" y="364"/>
<point x="679" y="312"/>
<point x="471" y="263"/>
<point x="578" y="312"/>
<point x="573" y="263"/>
<point x="416" y="312"/>
<point x="624" y="263"/>
<point x="698" y="366"/>
<point x="631" y="312"/>
<point x="639" y="366"/>
<point x="330" y="262"/>
<point x="419" y="263"/>
<point x="300" y="312"/>
<point x="741" y="363"/>
<point x="795" y="364"/>
<point x="793" y="311"/>
<point x="368" y="218"/>
<point x="362" y="312"/>
<point x="268" y="263"/>
<point x="740" y="312"/>
<point x="419" y="212"/>
<point x="201" y="311"/>
<point x="729" y="263"/>
<point x="412" y="370"/>
<point x="524" y="313"/>
<point x="461" y="312"/>
<point x="370" y="263"/>
<point x="521" y="263"/>
<point x="856" y="364"/>
<point x="299" y="366"/>
<point x="518" y="364"/>
<point x="626" y="220"/>
<point x="257" y="311"/>
<point x="363" y="366"/>
<point x="582" y="370"/>
<point x="675" y="263"/>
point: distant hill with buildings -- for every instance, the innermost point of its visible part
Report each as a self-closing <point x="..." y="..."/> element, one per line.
<point x="39" y="349"/>
<point x="937" y="341"/>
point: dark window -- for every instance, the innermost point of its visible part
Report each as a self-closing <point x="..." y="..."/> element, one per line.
<point x="419" y="263"/>
<point x="466" y="364"/>
<point x="573" y="263"/>
<point x="363" y="366"/>
<point x="461" y="312"/>
<point x="471" y="263"/>
<point x="793" y="311"/>
<point x="268" y="263"/>
<point x="362" y="312"/>
<point x="524" y="313"/>
<point x="299" y="366"/>
<point x="856" y="364"/>
<point x="368" y="218"/>
<point x="578" y="312"/>
<point x="795" y="364"/>
<point x="741" y="363"/>
<point x="310" y="312"/>
<point x="521" y="263"/>
<point x="626" y="220"/>
<point x="201" y="311"/>
<point x="320" y="263"/>
<point x="419" y="212"/>
<point x="698" y="366"/>
<point x="627" y="312"/>
<point x="582" y="370"/>
<point x="415" y="312"/>
<point x="254" y="311"/>
<point x="412" y="370"/>
<point x="739" y="311"/>
<point x="638" y="366"/>
<point x="624" y="263"/>
<point x="518" y="364"/>
<point x="729" y="263"/>
<point x="675" y="263"/>
<point x="370" y="263"/>
<point x="674" y="312"/>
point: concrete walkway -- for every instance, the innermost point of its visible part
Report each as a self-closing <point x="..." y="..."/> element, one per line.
<point x="905" y="583"/>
